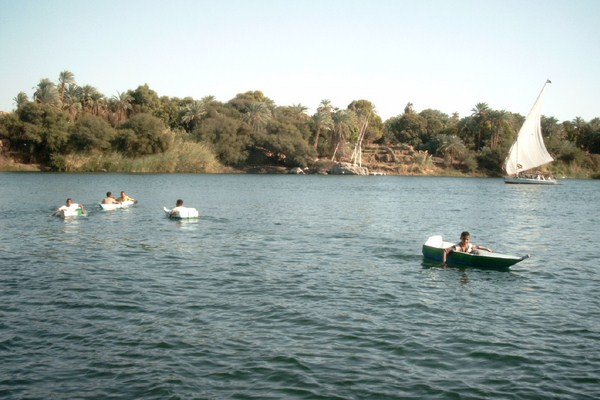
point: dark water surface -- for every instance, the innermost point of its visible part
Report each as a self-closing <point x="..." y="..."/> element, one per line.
<point x="296" y="287"/>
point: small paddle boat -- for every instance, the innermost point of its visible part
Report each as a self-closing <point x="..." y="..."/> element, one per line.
<point x="77" y="212"/>
<point x="115" y="206"/>
<point x="434" y="248"/>
<point x="183" y="213"/>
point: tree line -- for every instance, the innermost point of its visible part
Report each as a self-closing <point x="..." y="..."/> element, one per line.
<point x="64" y="119"/>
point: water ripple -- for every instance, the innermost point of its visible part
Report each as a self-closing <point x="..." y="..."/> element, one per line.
<point x="267" y="297"/>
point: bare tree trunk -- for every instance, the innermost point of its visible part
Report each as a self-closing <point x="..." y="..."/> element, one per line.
<point x="335" y="151"/>
<point x="357" y="153"/>
<point x="317" y="137"/>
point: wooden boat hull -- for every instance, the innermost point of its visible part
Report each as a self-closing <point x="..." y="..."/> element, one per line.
<point x="186" y="213"/>
<point x="434" y="248"/>
<point x="530" y="181"/>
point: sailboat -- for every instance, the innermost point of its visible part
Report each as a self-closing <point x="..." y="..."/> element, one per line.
<point x="528" y="151"/>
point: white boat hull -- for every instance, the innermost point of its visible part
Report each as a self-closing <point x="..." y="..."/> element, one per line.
<point x="69" y="213"/>
<point x="530" y="181"/>
<point x="185" y="213"/>
<point x="115" y="206"/>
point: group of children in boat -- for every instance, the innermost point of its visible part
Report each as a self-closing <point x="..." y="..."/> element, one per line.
<point x="109" y="199"/>
<point x="70" y="206"/>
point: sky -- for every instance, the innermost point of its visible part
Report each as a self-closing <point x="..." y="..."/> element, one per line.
<point x="436" y="54"/>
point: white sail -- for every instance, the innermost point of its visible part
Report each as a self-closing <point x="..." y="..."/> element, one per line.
<point x="529" y="150"/>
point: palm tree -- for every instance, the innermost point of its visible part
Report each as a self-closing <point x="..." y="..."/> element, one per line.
<point x="258" y="115"/>
<point x="451" y="146"/>
<point x="322" y="121"/>
<point x="552" y="128"/>
<point x="579" y="122"/>
<point x="46" y="92"/>
<point x="65" y="79"/>
<point x="579" y="126"/>
<point x="298" y="111"/>
<point x="20" y="100"/>
<point x="344" y="122"/>
<point x="480" y="120"/>
<point x="72" y="100"/>
<point x="122" y="103"/>
<point x="480" y="109"/>
<point x="88" y="96"/>
<point x="325" y="106"/>
<point x="98" y="103"/>
<point x="500" y="124"/>
<point x="193" y="113"/>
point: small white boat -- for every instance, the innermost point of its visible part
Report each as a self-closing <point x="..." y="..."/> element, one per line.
<point x="115" y="206"/>
<point x="77" y="212"/>
<point x="183" y="213"/>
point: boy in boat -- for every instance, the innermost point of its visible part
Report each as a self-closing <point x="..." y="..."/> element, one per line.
<point x="178" y="207"/>
<point x="124" y="197"/>
<point x="465" y="246"/>
<point x="70" y="206"/>
<point x="109" y="199"/>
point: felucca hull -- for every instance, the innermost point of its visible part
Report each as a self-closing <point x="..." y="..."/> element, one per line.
<point x="530" y="181"/>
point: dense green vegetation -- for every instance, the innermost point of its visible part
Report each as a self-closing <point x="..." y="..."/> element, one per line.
<point x="67" y="127"/>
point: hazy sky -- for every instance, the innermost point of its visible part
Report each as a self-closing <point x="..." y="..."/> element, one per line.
<point x="447" y="55"/>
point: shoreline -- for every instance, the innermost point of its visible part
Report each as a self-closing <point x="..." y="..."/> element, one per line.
<point x="8" y="165"/>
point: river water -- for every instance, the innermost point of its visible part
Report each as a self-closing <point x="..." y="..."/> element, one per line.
<point x="296" y="287"/>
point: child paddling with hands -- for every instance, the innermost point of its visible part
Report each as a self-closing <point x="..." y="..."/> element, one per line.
<point x="464" y="246"/>
<point x="69" y="206"/>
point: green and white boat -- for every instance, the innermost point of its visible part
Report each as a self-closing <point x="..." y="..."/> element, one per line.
<point x="70" y="213"/>
<point x="434" y="248"/>
<point x="70" y="209"/>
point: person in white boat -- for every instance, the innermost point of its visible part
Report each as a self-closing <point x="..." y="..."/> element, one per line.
<point x="464" y="246"/>
<point x="124" y="197"/>
<point x="109" y="199"/>
<point x="178" y="207"/>
<point x="539" y="176"/>
<point x="70" y="206"/>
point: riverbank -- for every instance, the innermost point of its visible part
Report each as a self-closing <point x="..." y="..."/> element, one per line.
<point x="9" y="165"/>
<point x="322" y="167"/>
<point x="317" y="169"/>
